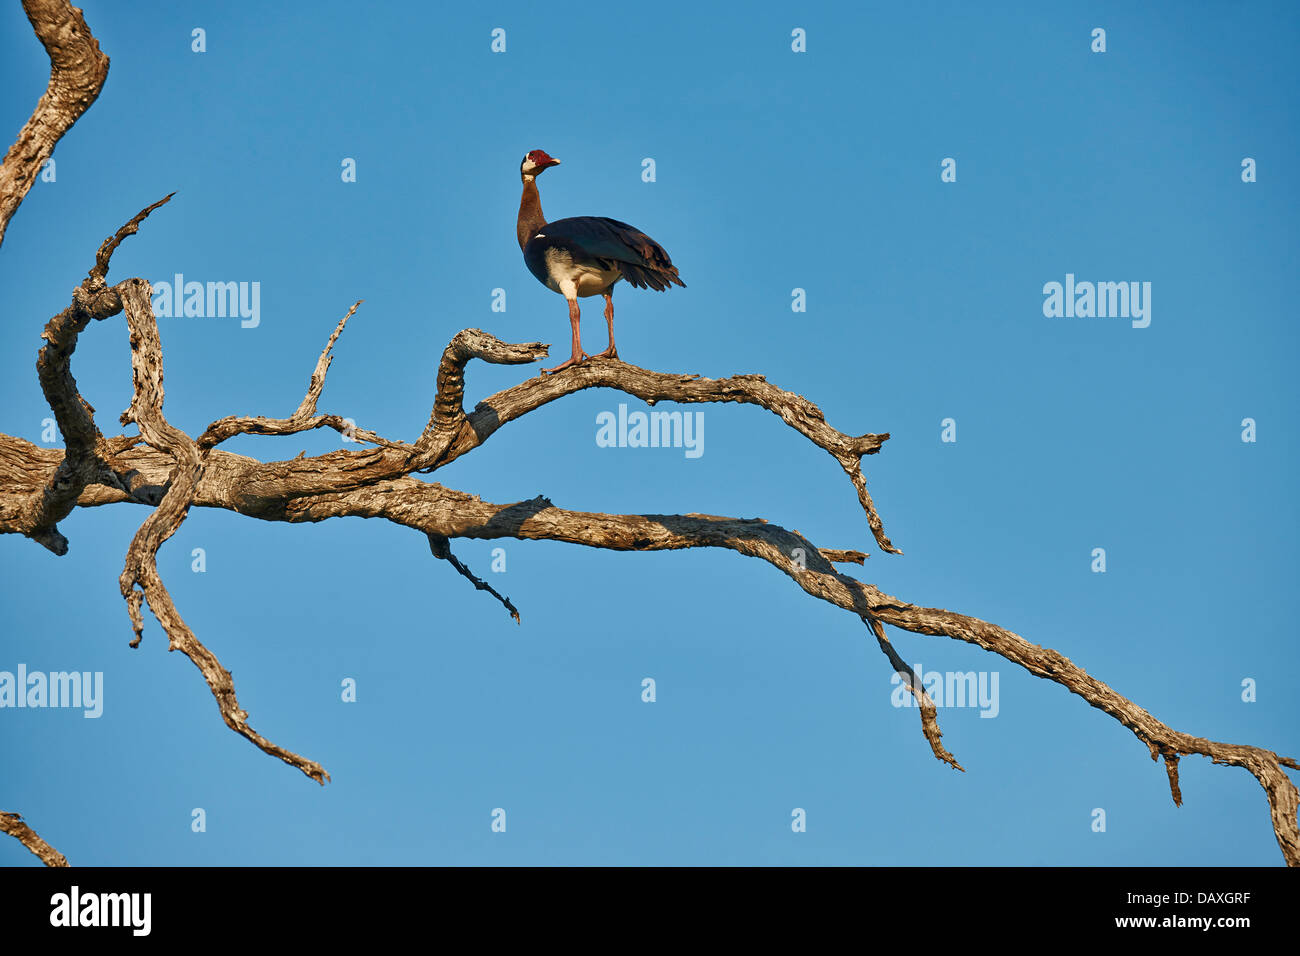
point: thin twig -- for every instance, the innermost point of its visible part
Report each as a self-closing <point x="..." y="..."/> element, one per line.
<point x="441" y="548"/>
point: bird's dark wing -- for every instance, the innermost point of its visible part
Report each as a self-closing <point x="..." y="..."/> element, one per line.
<point x="643" y="262"/>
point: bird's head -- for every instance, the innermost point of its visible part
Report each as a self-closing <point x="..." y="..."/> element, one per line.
<point x="535" y="163"/>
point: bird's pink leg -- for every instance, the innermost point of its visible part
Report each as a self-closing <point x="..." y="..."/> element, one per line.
<point x="575" y="319"/>
<point x="610" y="352"/>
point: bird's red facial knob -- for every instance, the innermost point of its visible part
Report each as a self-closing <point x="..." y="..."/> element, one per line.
<point x="536" y="161"/>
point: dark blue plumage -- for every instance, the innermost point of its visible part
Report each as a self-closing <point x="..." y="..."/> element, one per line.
<point x="608" y="243"/>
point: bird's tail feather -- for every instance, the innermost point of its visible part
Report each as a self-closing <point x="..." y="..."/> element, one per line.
<point x="642" y="277"/>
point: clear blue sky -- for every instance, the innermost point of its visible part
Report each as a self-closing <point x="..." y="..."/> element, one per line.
<point x="775" y="171"/>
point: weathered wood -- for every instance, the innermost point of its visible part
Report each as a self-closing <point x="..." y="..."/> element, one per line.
<point x="13" y="824"/>
<point x="78" y="69"/>
<point x="168" y="471"/>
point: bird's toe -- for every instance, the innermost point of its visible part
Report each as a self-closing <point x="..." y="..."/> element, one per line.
<point x="577" y="359"/>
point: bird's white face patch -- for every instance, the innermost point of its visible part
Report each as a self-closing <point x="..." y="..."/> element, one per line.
<point x="540" y="235"/>
<point x="529" y="166"/>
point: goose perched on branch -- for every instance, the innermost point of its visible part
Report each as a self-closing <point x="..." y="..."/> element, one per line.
<point x="585" y="255"/>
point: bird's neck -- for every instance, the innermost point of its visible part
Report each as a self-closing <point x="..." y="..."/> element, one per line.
<point x="530" y="212"/>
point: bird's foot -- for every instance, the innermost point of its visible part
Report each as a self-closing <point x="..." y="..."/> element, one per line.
<point x="576" y="359"/>
<point x="610" y="352"/>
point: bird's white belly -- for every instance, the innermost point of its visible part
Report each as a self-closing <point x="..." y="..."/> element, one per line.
<point x="569" y="277"/>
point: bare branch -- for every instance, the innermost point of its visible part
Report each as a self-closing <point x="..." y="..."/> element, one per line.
<point x="434" y="509"/>
<point x="12" y="823"/>
<point x="929" y="714"/>
<point x="146" y="411"/>
<point x="307" y="407"/>
<point x="78" y="70"/>
<point x="305" y="418"/>
<point x="141" y="570"/>
<point x="99" y="271"/>
<point x="88" y="459"/>
<point x="844" y="557"/>
<point x="441" y="548"/>
<point x="1171" y="768"/>
<point x="451" y="433"/>
<point x="448" y="408"/>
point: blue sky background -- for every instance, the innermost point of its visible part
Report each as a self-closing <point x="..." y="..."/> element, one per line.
<point x="775" y="170"/>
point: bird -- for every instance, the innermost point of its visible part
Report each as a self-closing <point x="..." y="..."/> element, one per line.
<point x="585" y="255"/>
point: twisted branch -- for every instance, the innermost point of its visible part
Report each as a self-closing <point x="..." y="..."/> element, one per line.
<point x="78" y="69"/>
<point x="451" y="433"/>
<point x="89" y="458"/>
<point x="173" y="472"/>
<point x="140" y="579"/>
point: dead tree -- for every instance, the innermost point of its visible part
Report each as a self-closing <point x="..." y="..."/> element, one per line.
<point x="166" y="470"/>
